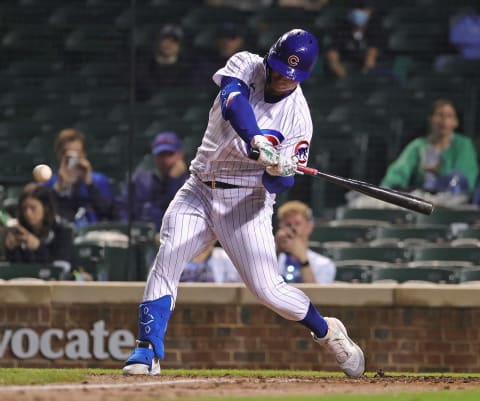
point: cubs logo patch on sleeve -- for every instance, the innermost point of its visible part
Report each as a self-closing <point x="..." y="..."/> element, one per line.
<point x="301" y="151"/>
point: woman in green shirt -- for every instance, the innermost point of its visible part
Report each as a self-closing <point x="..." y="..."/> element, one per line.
<point x="440" y="159"/>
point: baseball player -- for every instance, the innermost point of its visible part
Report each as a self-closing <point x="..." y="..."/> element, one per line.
<point x="230" y="198"/>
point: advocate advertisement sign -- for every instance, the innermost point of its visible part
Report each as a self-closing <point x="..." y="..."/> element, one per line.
<point x="96" y="343"/>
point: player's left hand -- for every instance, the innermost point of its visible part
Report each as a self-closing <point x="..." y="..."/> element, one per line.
<point x="286" y="167"/>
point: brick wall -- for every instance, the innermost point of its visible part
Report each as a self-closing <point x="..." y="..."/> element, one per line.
<point x="226" y="328"/>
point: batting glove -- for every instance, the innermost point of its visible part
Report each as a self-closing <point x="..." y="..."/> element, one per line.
<point x="285" y="167"/>
<point x="269" y="156"/>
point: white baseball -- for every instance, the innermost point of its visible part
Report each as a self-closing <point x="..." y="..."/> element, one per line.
<point x="42" y="173"/>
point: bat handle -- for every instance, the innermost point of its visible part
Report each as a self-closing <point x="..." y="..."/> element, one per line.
<point x="254" y="154"/>
<point x="307" y="170"/>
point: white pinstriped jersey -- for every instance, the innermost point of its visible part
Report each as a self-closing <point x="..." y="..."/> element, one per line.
<point x="239" y="218"/>
<point x="222" y="156"/>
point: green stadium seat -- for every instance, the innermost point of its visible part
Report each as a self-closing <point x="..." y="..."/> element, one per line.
<point x="105" y="262"/>
<point x="433" y="253"/>
<point x="429" y="233"/>
<point x="469" y="275"/>
<point x="353" y="274"/>
<point x="394" y="216"/>
<point x="70" y="16"/>
<point x="471" y="232"/>
<point x="147" y="14"/>
<point x="341" y="233"/>
<point x="140" y="231"/>
<point x="198" y="17"/>
<point x="461" y="67"/>
<point x="390" y="254"/>
<point x="142" y="249"/>
<point x="449" y="216"/>
<point x="10" y="271"/>
<point x="404" y="274"/>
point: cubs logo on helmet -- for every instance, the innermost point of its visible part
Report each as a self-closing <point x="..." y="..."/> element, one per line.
<point x="294" y="54"/>
<point x="301" y="151"/>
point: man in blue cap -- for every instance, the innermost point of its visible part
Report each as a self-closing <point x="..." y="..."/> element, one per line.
<point x="153" y="189"/>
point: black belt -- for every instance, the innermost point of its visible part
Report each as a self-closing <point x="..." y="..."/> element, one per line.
<point x="220" y="185"/>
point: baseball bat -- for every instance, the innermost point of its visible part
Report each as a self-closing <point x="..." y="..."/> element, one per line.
<point x="392" y="196"/>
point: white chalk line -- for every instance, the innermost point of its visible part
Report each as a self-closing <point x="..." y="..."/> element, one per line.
<point x="52" y="387"/>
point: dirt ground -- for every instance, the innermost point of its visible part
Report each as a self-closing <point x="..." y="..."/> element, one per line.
<point x="118" y="388"/>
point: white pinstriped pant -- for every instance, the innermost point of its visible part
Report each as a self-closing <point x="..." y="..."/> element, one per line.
<point x="241" y="220"/>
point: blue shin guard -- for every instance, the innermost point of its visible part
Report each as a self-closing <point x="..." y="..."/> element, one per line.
<point x="152" y="323"/>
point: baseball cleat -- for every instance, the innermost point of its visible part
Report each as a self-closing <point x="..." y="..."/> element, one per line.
<point x="348" y="354"/>
<point x="142" y="361"/>
<point x="142" y="369"/>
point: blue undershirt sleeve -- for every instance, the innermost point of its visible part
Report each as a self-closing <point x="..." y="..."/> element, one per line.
<point x="276" y="184"/>
<point x="234" y="94"/>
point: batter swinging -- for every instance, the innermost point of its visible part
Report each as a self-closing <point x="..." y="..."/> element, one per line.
<point x="230" y="198"/>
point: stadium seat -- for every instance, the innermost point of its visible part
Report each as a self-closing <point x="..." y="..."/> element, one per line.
<point x="140" y="231"/>
<point x="461" y="67"/>
<point x="71" y="16"/>
<point x="10" y="271"/>
<point x="466" y="254"/>
<point x="341" y="233"/>
<point x="449" y="216"/>
<point x="468" y="275"/>
<point x="105" y="261"/>
<point x="429" y="233"/>
<point x="394" y="216"/>
<point x="143" y="247"/>
<point x="471" y="232"/>
<point x="404" y="274"/>
<point x="390" y="254"/>
<point x="353" y="274"/>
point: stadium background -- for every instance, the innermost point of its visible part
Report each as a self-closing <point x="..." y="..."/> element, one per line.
<point x="69" y="64"/>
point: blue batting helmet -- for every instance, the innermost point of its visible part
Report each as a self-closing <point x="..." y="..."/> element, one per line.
<point x="294" y="54"/>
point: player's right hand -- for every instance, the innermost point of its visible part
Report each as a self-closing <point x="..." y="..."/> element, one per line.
<point x="269" y="156"/>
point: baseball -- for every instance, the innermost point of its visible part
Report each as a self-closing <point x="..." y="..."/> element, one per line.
<point x="42" y="173"/>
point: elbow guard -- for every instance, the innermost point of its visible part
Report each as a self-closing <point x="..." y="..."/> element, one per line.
<point x="236" y="108"/>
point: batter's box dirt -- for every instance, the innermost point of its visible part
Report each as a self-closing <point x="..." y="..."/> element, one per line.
<point x="118" y="388"/>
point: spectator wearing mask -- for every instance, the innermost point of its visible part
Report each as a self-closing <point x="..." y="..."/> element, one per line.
<point x="154" y="188"/>
<point x="356" y="42"/>
<point x="82" y="195"/>
<point x="441" y="161"/>
<point x="297" y="263"/>
<point x="39" y="236"/>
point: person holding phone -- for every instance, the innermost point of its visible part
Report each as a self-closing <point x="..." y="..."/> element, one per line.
<point x="296" y="261"/>
<point x="38" y="235"/>
<point x="82" y="195"/>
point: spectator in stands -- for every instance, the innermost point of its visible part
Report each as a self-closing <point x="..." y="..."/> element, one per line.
<point x="82" y="195"/>
<point x="356" y="42"/>
<point x="441" y="161"/>
<point x="154" y="188"/>
<point x="465" y="34"/>
<point x="211" y="265"/>
<point x="229" y="39"/>
<point x="166" y="65"/>
<point x="40" y="235"/>
<point x="298" y="263"/>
